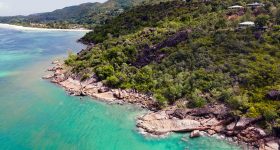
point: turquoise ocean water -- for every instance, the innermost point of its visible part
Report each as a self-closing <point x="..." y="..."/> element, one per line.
<point x="35" y="114"/>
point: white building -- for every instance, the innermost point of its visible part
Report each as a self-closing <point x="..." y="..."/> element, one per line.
<point x="246" y="24"/>
<point x="256" y="4"/>
<point x="236" y="7"/>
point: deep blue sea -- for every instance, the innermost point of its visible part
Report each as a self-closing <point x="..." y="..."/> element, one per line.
<point x="35" y="114"/>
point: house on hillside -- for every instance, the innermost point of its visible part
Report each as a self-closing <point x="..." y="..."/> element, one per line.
<point x="120" y="10"/>
<point x="235" y="11"/>
<point x="246" y="24"/>
<point x="236" y="7"/>
<point x="198" y="1"/>
<point x="255" y="5"/>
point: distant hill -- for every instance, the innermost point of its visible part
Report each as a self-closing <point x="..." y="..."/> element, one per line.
<point x="87" y="14"/>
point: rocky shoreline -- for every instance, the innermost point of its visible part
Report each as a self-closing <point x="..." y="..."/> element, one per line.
<point x="213" y="119"/>
<point x="91" y="87"/>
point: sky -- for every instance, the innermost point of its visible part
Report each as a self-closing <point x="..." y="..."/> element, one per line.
<point x="26" y="7"/>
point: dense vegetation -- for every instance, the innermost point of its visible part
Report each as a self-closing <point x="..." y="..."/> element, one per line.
<point x="216" y="62"/>
<point x="85" y="15"/>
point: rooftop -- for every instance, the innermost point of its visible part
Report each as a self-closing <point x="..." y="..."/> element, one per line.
<point x="247" y="23"/>
<point x="255" y="4"/>
<point x="235" y="6"/>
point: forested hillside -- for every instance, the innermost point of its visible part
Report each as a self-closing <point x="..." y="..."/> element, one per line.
<point x="192" y="53"/>
<point x="84" y="15"/>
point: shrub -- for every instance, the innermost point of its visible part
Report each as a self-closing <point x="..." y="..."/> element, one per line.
<point x="278" y="16"/>
<point x="85" y="76"/>
<point x="268" y="111"/>
<point x="226" y="95"/>
<point x="161" y="100"/>
<point x="196" y="100"/>
<point x="104" y="71"/>
<point x="253" y="113"/>
<point x="238" y="102"/>
<point x="262" y="20"/>
<point x="70" y="61"/>
<point x="112" y="81"/>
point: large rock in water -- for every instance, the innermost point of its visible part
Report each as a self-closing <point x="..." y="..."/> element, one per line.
<point x="159" y="123"/>
<point x="103" y="90"/>
<point x="119" y="94"/>
<point x="231" y="126"/>
<point x="195" y="133"/>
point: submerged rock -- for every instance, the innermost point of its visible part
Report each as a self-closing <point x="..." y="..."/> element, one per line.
<point x="50" y="76"/>
<point x="55" y="62"/>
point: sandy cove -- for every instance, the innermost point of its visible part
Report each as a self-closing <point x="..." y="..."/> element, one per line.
<point x="214" y="119"/>
<point x="22" y="28"/>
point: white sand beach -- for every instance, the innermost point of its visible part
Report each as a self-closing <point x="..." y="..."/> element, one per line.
<point x="16" y="27"/>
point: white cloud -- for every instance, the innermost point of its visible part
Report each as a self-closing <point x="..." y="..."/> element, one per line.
<point x="3" y="6"/>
